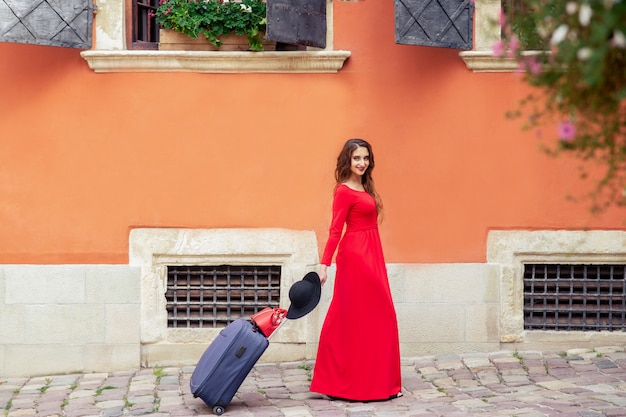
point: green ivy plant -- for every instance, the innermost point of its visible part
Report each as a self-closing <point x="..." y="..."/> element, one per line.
<point x="215" y="18"/>
<point x="574" y="53"/>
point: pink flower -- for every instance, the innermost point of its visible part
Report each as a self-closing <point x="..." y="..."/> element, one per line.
<point x="498" y="48"/>
<point x="513" y="46"/>
<point x="567" y="131"/>
<point x="533" y="66"/>
<point x="502" y="19"/>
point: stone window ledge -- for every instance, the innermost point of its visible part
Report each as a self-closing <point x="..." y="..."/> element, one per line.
<point x="484" y="61"/>
<point x="215" y="62"/>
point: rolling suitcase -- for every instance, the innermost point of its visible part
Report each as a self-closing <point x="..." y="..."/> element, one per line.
<point x="231" y="356"/>
<point x="226" y="363"/>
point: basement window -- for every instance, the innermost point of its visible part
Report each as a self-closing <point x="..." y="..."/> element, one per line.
<point x="214" y="296"/>
<point x="575" y="297"/>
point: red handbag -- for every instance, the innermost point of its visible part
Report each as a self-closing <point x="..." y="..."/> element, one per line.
<point x="268" y="319"/>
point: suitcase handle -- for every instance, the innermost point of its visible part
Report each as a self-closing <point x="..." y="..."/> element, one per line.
<point x="269" y="319"/>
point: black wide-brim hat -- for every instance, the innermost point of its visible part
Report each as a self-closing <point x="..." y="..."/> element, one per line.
<point x="304" y="296"/>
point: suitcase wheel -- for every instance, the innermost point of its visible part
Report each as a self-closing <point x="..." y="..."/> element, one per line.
<point x="218" y="410"/>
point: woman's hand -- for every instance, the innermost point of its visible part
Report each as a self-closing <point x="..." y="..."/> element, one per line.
<point x="323" y="274"/>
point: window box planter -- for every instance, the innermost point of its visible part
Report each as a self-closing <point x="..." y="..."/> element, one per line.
<point x="170" y="40"/>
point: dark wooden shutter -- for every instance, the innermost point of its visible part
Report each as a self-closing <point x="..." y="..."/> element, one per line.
<point x="298" y="22"/>
<point x="65" y="23"/>
<point x="441" y="23"/>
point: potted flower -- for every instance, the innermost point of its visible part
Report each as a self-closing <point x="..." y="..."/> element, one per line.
<point x="215" y="19"/>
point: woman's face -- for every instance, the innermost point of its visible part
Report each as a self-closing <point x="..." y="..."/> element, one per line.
<point x="359" y="161"/>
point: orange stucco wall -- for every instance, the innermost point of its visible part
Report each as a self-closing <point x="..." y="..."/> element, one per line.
<point x="86" y="157"/>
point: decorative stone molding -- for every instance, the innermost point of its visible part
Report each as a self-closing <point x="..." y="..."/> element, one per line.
<point x="484" y="61"/>
<point x="321" y="61"/>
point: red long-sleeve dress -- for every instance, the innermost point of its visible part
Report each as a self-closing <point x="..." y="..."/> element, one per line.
<point x="359" y="355"/>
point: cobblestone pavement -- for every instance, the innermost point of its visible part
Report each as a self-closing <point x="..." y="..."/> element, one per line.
<point x="576" y="383"/>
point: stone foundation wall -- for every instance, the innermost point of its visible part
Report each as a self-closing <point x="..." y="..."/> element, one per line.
<point x="100" y="318"/>
<point x="68" y="318"/>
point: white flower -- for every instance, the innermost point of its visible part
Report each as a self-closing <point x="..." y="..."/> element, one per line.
<point x="584" y="14"/>
<point x="544" y="27"/>
<point x="619" y="40"/>
<point x="246" y="8"/>
<point x="572" y="36"/>
<point x="584" y="53"/>
<point x="571" y="7"/>
<point x="559" y="34"/>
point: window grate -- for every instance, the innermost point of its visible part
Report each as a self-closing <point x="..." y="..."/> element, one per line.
<point x="214" y="296"/>
<point x="574" y="297"/>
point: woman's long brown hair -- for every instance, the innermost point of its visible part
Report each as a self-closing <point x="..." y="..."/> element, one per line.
<point x="343" y="172"/>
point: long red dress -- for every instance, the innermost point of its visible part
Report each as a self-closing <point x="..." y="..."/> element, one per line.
<point x="359" y="355"/>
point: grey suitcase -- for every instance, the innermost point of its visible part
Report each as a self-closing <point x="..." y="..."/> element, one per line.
<point x="226" y="362"/>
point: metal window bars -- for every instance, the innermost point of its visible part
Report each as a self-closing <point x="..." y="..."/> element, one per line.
<point x="574" y="297"/>
<point x="214" y="296"/>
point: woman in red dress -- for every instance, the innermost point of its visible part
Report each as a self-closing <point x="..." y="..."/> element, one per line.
<point x="358" y="357"/>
